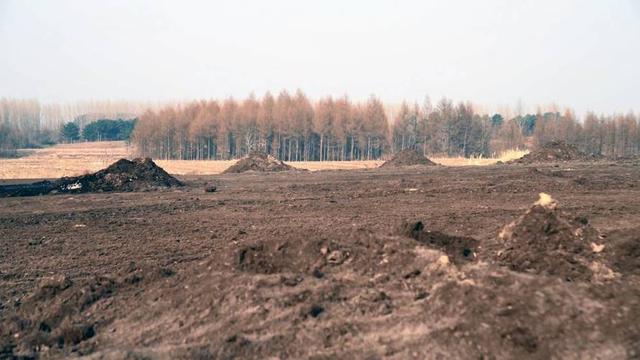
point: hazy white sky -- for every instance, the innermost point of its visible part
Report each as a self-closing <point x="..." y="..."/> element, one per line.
<point x="580" y="53"/>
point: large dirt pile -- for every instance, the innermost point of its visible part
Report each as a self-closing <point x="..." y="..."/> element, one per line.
<point x="124" y="175"/>
<point x="258" y="161"/>
<point x="547" y="241"/>
<point x="553" y="151"/>
<point x="408" y="157"/>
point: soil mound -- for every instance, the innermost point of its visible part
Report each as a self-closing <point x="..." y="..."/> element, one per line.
<point x="408" y="157"/>
<point x="258" y="161"/>
<point x="554" y="151"/>
<point x="547" y="241"/>
<point x="124" y="175"/>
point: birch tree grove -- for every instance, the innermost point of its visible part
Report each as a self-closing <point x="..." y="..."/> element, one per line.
<point x="293" y="128"/>
<point x="288" y="126"/>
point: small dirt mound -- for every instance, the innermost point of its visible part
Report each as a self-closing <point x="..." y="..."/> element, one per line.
<point x="554" y="151"/>
<point x="408" y="157"/>
<point x="258" y="161"/>
<point x="124" y="175"/>
<point x="459" y="249"/>
<point x="547" y="241"/>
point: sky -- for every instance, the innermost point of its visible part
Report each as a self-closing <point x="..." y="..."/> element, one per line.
<point x="583" y="54"/>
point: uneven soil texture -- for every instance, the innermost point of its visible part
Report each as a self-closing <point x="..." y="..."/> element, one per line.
<point x="399" y="263"/>
<point x="260" y="162"/>
<point x="554" y="151"/>
<point x="140" y="174"/>
<point x="408" y="157"/>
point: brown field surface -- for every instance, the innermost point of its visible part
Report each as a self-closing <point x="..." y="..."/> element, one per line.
<point x="330" y="265"/>
<point x="81" y="158"/>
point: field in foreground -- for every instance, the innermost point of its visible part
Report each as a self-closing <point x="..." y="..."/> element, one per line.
<point x="316" y="265"/>
<point x="82" y="158"/>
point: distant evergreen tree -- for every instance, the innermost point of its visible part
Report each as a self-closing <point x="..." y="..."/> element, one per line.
<point x="109" y="130"/>
<point x="497" y="120"/>
<point x="70" y="132"/>
<point x="528" y="124"/>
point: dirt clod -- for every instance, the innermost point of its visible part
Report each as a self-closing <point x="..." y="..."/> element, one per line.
<point x="316" y="310"/>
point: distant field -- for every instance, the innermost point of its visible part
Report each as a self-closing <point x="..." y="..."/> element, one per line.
<point x="64" y="160"/>
<point x="77" y="159"/>
<point x="479" y="161"/>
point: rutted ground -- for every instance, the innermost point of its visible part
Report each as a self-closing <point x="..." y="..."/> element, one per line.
<point x="327" y="264"/>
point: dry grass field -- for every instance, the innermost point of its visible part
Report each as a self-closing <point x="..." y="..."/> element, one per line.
<point x="479" y="161"/>
<point x="64" y="160"/>
<point x="77" y="159"/>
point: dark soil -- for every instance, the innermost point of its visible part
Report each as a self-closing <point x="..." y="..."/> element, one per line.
<point x="123" y="175"/>
<point x="624" y="250"/>
<point x="33" y="189"/>
<point x="407" y="157"/>
<point x="458" y="249"/>
<point x="330" y="265"/>
<point x="258" y="161"/>
<point x="554" y="151"/>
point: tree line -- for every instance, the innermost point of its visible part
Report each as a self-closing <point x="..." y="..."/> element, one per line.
<point x="30" y="124"/>
<point x="21" y="126"/>
<point x="459" y="131"/>
<point x="292" y="128"/>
